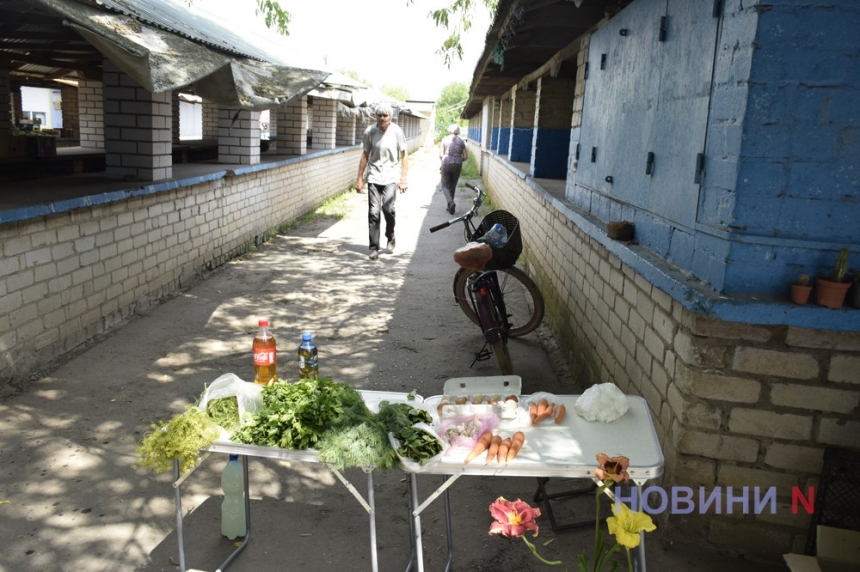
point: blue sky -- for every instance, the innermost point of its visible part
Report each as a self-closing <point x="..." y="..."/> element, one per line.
<point x="386" y="42"/>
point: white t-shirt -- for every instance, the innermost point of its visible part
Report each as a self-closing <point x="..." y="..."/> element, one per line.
<point x="383" y="153"/>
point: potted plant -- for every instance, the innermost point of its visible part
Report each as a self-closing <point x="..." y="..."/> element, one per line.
<point x="800" y="290"/>
<point x="853" y="296"/>
<point x="830" y="290"/>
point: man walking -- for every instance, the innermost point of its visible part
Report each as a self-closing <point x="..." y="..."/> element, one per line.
<point x="385" y="158"/>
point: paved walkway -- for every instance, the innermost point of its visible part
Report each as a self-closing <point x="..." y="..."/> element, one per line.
<point x="70" y="498"/>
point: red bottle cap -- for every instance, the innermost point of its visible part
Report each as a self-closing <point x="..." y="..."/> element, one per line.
<point x="264" y="323"/>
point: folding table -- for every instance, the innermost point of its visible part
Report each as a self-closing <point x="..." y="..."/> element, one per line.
<point x="371" y="398"/>
<point x="566" y="450"/>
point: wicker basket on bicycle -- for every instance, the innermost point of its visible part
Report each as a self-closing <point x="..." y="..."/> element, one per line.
<point x="506" y="256"/>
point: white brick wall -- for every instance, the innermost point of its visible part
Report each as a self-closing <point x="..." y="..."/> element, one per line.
<point x="91" y="108"/>
<point x="292" y="130"/>
<point x="324" y="123"/>
<point x="238" y="136"/>
<point x="68" y="278"/>
<point x="732" y="403"/>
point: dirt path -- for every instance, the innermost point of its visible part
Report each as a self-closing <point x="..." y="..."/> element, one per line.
<point x="70" y="498"/>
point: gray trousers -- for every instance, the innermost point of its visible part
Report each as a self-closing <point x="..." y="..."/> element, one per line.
<point x="380" y="198"/>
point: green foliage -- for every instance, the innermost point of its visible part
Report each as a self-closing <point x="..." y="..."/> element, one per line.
<point x="470" y="168"/>
<point x="181" y="438"/>
<point x="417" y="444"/>
<point x="274" y="15"/>
<point x="295" y="415"/>
<point x="841" y="266"/>
<point x="362" y="445"/>
<point x="395" y="416"/>
<point x="456" y="17"/>
<point x="354" y="75"/>
<point x="449" y="106"/>
<point x="395" y="91"/>
<point x="224" y="411"/>
<point x="337" y="208"/>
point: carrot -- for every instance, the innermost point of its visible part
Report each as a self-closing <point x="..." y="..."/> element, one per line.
<point x="516" y="445"/>
<point x="503" y="450"/>
<point x="546" y="414"/>
<point x="480" y="446"/>
<point x="542" y="406"/>
<point x="533" y="411"/>
<point x="494" y="447"/>
<point x="559" y="414"/>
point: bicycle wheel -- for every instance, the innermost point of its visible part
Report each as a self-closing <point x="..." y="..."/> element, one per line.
<point x="503" y="356"/>
<point x="523" y="300"/>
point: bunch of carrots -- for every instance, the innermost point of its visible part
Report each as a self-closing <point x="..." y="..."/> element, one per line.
<point x="502" y="450"/>
<point x="544" y="409"/>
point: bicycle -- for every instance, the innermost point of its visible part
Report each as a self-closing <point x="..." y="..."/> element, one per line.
<point x="500" y="298"/>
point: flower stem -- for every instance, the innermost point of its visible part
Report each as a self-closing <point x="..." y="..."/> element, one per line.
<point x="541" y="558"/>
<point x="629" y="560"/>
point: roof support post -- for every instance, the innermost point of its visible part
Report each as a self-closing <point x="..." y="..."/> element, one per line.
<point x="292" y="127"/>
<point x="238" y="136"/>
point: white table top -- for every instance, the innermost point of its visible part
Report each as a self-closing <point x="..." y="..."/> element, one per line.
<point x="568" y="449"/>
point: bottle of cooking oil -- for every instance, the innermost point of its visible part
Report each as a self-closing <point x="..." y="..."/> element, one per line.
<point x="308" y="363"/>
<point x="265" y="355"/>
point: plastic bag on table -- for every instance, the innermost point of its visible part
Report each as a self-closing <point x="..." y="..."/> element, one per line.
<point x="411" y="465"/>
<point x="462" y="433"/>
<point x="248" y="395"/>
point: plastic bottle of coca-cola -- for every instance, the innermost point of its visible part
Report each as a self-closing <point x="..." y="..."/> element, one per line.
<point x="265" y="355"/>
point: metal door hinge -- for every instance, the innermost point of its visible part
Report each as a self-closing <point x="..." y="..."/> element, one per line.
<point x="664" y="26"/>
<point x="700" y="168"/>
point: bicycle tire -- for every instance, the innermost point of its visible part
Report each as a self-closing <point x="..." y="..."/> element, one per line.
<point x="503" y="357"/>
<point x="523" y="300"/>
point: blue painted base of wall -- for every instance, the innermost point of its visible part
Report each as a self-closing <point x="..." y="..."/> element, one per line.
<point x="504" y="140"/>
<point x="551" y="149"/>
<point x="494" y="139"/>
<point x="521" y="145"/>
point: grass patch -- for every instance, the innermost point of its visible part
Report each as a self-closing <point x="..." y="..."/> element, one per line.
<point x="470" y="168"/>
<point x="336" y="208"/>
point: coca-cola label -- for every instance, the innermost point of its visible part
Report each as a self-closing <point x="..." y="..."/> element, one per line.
<point x="264" y="357"/>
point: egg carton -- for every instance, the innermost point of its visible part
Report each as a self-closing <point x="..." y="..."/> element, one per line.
<point x="480" y="395"/>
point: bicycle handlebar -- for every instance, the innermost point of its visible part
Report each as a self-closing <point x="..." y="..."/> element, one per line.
<point x="440" y="226"/>
<point x="471" y="186"/>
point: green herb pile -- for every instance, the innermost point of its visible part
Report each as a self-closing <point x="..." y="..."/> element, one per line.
<point x="417" y="444"/>
<point x="181" y="438"/>
<point x="224" y="411"/>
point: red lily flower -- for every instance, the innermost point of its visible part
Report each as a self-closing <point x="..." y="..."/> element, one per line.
<point x="513" y="519"/>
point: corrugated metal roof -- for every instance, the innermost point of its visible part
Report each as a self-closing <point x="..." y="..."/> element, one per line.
<point x="179" y="18"/>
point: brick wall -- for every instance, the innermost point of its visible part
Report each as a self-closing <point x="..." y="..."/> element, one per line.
<point x="238" y="136"/>
<point x="210" y="120"/>
<point x="71" y="110"/>
<point x="91" y="106"/>
<point x="292" y="132"/>
<point x="734" y="404"/>
<point x="324" y="123"/>
<point x="69" y="278"/>
<point x="5" y="102"/>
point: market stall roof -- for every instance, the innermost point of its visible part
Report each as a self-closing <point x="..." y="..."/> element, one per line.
<point x="530" y="38"/>
<point x="355" y="98"/>
<point x="160" y="43"/>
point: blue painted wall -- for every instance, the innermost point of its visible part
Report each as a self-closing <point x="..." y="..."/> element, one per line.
<point x="551" y="147"/>
<point x="521" y="145"/>
<point x="770" y="99"/>
<point x="494" y="138"/>
<point x="504" y="140"/>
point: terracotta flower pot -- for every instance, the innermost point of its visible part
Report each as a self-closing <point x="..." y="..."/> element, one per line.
<point x="800" y="294"/>
<point x="830" y="294"/>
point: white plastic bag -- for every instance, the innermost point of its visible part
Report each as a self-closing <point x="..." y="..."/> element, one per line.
<point x="248" y="395"/>
<point x="603" y="402"/>
<point x="414" y="466"/>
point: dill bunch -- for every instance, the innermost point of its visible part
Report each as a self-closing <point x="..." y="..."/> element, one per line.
<point x="180" y="438"/>
<point x="363" y="445"/>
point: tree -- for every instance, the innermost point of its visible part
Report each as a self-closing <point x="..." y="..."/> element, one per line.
<point x="356" y="77"/>
<point x="450" y="104"/>
<point x="395" y="91"/>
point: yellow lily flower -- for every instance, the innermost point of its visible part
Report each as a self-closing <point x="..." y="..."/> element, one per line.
<point x="626" y="525"/>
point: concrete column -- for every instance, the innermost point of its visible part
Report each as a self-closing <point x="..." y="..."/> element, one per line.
<point x="551" y="141"/>
<point x="91" y="113"/>
<point x="522" y="125"/>
<point x="138" y="126"/>
<point x="324" y="123"/>
<point x="292" y="127"/>
<point x="238" y="136"/>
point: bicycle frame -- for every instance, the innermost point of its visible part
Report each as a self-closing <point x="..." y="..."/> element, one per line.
<point x="489" y="305"/>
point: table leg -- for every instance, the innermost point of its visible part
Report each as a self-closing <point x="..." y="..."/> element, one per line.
<point x="639" y="554"/>
<point x="372" y="501"/>
<point x="178" y="505"/>
<point x="448" y="532"/>
<point x="416" y="523"/>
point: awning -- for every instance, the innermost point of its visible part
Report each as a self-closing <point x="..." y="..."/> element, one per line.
<point x="161" y="61"/>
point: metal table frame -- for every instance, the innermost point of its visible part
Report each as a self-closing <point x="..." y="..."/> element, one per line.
<point x="372" y="398"/>
<point x="583" y="440"/>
